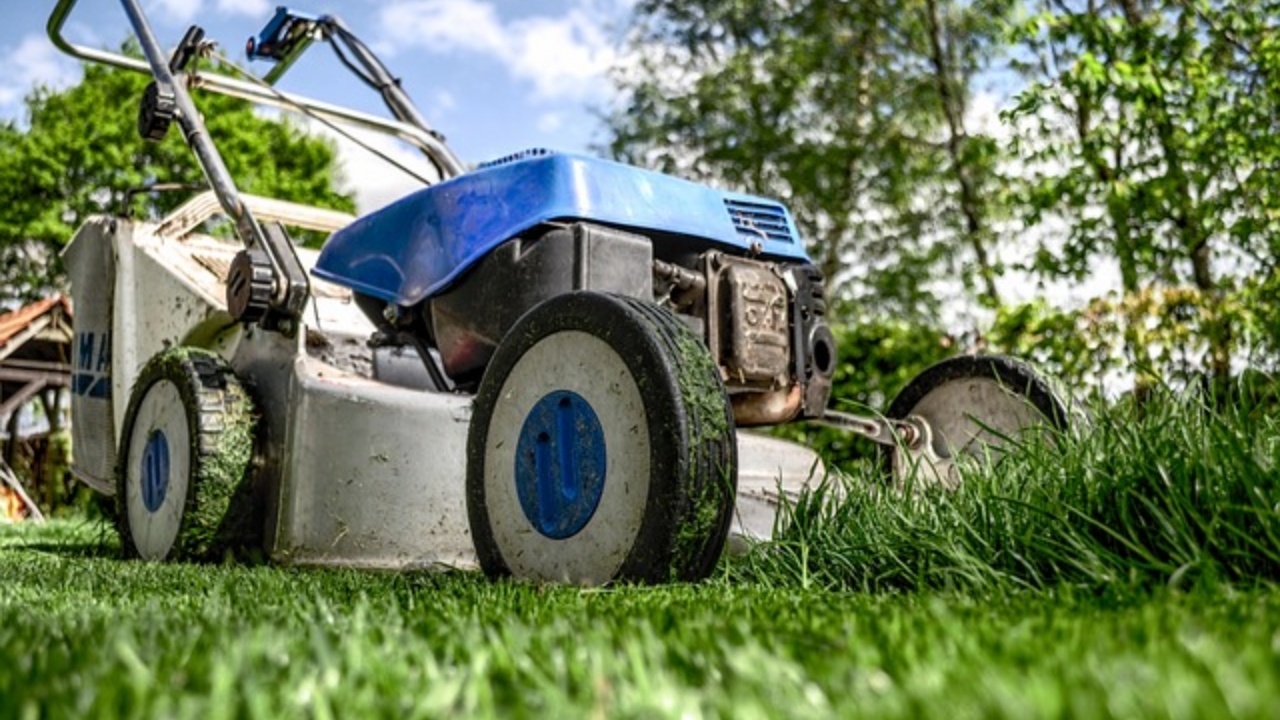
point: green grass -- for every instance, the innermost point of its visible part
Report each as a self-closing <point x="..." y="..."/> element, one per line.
<point x="1127" y="572"/>
<point x="1176" y="494"/>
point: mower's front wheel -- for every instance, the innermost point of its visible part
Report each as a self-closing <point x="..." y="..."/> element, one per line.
<point x="601" y="447"/>
<point x="184" y="460"/>
<point x="972" y="405"/>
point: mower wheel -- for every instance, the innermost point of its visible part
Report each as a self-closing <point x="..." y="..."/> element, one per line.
<point x="601" y="447"/>
<point x="972" y="404"/>
<point x="182" y="483"/>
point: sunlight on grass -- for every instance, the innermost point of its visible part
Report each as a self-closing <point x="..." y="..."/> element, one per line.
<point x="1123" y="572"/>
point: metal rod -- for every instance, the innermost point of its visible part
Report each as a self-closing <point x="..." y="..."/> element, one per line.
<point x="233" y="87"/>
<point x="215" y="170"/>
<point x="290" y="287"/>
<point x="883" y="431"/>
<point x="393" y="95"/>
<point x="423" y="140"/>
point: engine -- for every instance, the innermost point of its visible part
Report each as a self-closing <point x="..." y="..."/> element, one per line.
<point x="763" y="321"/>
<point x="450" y="269"/>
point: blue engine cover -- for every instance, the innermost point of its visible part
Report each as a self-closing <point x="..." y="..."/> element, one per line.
<point x="415" y="247"/>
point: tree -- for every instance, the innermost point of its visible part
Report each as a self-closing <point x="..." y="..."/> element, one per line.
<point x="854" y="114"/>
<point x="1154" y="124"/>
<point x="1146" y="137"/>
<point x="80" y="154"/>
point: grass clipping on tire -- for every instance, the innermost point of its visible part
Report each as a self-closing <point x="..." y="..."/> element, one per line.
<point x="221" y="519"/>
<point x="709" y="423"/>
<point x="218" y="516"/>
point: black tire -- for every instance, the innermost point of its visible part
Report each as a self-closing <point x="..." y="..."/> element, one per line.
<point x="651" y="493"/>
<point x="183" y="489"/>
<point x="941" y="394"/>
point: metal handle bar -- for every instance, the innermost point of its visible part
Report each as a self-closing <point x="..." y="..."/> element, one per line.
<point x="188" y="118"/>
<point x="234" y="87"/>
<point x="288" y="288"/>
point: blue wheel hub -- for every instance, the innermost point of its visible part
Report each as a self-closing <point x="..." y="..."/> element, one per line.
<point x="560" y="464"/>
<point x="155" y="471"/>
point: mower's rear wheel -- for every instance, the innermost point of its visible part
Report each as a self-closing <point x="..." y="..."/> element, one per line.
<point x="601" y="447"/>
<point x="973" y="405"/>
<point x="184" y="460"/>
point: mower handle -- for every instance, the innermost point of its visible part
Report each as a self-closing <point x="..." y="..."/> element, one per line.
<point x="287" y="284"/>
<point x="425" y="141"/>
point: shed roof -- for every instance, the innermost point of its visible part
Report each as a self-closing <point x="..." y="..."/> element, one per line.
<point x="27" y="322"/>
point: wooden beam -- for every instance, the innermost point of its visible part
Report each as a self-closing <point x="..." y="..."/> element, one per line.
<point x="10" y="479"/>
<point x="27" y="376"/>
<point x="13" y="402"/>
<point x="43" y="365"/>
<point x="24" y="335"/>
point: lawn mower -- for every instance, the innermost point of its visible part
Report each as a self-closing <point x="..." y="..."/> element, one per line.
<point x="545" y="365"/>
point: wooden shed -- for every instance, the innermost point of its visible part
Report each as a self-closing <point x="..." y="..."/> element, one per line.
<point x="35" y="368"/>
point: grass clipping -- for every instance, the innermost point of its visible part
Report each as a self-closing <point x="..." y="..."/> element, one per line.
<point x="218" y="516"/>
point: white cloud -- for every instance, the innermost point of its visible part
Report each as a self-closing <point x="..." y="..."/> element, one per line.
<point x="178" y="12"/>
<point x="375" y="182"/>
<point x="183" y="12"/>
<point x="444" y="25"/>
<point x="33" y="62"/>
<point x="252" y="8"/>
<point x="445" y="101"/>
<point x="563" y="57"/>
<point x="550" y="122"/>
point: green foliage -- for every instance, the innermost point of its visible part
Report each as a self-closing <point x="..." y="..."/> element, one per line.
<point x="1150" y="128"/>
<point x="851" y="113"/>
<point x="1260" y="328"/>
<point x="1086" y="345"/>
<point x="80" y="154"/>
<point x="1078" y="347"/>
<point x="1142" y="139"/>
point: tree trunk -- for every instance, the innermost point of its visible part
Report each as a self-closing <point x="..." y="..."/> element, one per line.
<point x="952" y="100"/>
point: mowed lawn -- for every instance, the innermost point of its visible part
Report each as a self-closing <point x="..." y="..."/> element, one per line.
<point x="1065" y="583"/>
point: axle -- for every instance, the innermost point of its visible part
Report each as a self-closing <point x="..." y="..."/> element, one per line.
<point x="910" y="434"/>
<point x="911" y="440"/>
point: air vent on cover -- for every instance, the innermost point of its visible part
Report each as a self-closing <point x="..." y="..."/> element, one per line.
<point x="759" y="221"/>
<point x="514" y="157"/>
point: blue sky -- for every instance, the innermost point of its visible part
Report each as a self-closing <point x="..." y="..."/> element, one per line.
<point x="495" y="76"/>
